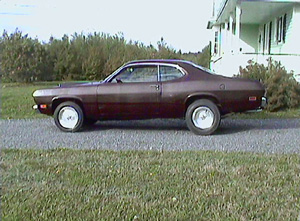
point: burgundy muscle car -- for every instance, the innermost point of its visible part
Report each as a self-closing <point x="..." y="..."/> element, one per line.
<point x="152" y="89"/>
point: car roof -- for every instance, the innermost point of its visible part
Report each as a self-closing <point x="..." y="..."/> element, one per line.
<point x="190" y="67"/>
<point x="168" y="61"/>
<point x="182" y="63"/>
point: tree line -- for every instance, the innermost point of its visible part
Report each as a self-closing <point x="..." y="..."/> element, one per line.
<point x="78" y="57"/>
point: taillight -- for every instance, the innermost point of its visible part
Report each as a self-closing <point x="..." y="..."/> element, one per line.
<point x="253" y="98"/>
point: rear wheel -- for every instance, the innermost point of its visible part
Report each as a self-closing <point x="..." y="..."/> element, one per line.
<point x="203" y="117"/>
<point x="68" y="117"/>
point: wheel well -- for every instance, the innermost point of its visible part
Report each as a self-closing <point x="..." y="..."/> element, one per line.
<point x="58" y="101"/>
<point x="190" y="100"/>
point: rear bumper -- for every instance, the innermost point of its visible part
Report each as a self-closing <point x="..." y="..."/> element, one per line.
<point x="263" y="105"/>
<point x="264" y="102"/>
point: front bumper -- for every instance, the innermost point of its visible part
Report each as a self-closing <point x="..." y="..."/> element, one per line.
<point x="43" y="109"/>
<point x="36" y="108"/>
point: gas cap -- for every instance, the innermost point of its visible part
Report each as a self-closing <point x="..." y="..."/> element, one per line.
<point x="222" y="86"/>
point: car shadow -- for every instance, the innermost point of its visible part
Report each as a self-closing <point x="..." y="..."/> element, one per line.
<point x="230" y="126"/>
<point x="232" y="129"/>
<point x="159" y="124"/>
<point x="227" y="126"/>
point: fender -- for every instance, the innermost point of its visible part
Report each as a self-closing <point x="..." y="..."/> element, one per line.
<point x="72" y="97"/>
<point x="77" y="100"/>
<point x="202" y="95"/>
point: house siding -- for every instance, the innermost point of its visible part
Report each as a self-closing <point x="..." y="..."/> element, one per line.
<point x="279" y="48"/>
<point x="294" y="42"/>
<point x="287" y="46"/>
<point x="254" y="41"/>
<point x="249" y="38"/>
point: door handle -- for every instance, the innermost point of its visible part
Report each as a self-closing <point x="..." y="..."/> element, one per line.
<point x="156" y="86"/>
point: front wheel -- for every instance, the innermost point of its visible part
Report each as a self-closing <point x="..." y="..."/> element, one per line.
<point x="203" y="117"/>
<point x="68" y="117"/>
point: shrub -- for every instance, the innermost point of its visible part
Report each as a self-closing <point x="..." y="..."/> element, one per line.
<point x="283" y="91"/>
<point x="79" y="57"/>
<point x="23" y="59"/>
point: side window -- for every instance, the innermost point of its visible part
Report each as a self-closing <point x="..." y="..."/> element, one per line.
<point x="137" y="74"/>
<point x="169" y="73"/>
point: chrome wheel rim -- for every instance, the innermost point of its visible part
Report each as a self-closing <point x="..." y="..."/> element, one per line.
<point x="203" y="118"/>
<point x="68" y="117"/>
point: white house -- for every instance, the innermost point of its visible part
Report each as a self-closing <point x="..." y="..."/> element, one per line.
<point x="244" y="30"/>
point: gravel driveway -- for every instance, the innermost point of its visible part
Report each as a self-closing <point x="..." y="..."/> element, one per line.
<point x="269" y="136"/>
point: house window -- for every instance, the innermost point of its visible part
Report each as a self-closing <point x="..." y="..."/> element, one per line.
<point x="281" y="29"/>
<point x="216" y="46"/>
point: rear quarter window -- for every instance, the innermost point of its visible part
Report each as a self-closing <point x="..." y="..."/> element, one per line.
<point x="168" y="73"/>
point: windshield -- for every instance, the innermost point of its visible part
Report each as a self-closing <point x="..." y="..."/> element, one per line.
<point x="109" y="77"/>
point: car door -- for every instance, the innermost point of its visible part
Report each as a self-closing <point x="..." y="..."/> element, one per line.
<point x="133" y="93"/>
<point x="172" y="85"/>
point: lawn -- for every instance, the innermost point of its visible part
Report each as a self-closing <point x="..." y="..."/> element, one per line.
<point x="17" y="103"/>
<point x="64" y="184"/>
<point x="17" y="100"/>
<point x="291" y="113"/>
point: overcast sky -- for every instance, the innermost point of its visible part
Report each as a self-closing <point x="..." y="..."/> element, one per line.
<point x="182" y="24"/>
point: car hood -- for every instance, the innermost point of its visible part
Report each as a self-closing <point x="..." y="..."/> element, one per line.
<point x="79" y="84"/>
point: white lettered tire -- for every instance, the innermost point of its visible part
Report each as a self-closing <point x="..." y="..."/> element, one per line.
<point x="203" y="117"/>
<point x="68" y="117"/>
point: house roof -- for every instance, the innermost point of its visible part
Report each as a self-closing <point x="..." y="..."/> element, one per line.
<point x="253" y="11"/>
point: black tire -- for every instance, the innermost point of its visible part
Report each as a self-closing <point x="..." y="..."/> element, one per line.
<point x="203" y="117"/>
<point x="75" y="118"/>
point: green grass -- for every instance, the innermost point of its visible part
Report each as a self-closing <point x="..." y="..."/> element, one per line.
<point x="17" y="103"/>
<point x="290" y="113"/>
<point x="65" y="184"/>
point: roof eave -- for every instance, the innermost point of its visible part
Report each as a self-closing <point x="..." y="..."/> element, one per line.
<point x="210" y="24"/>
